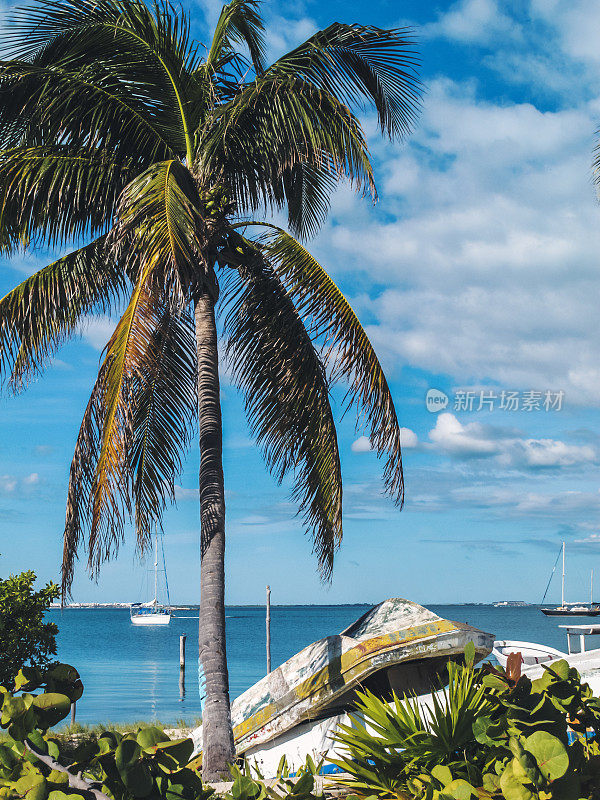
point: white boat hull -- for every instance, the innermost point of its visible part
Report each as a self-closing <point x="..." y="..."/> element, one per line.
<point x="587" y="665"/>
<point x="312" y="739"/>
<point x="535" y="656"/>
<point x="531" y="653"/>
<point x="150" y="619"/>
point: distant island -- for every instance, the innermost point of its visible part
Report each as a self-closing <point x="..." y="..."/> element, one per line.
<point x="105" y="605"/>
<point x="511" y="603"/>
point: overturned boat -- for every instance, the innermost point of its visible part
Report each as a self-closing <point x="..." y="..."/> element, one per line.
<point x="396" y="647"/>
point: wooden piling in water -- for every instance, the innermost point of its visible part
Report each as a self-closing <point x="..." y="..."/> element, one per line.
<point x="182" y="639"/>
<point x="268" y="629"/>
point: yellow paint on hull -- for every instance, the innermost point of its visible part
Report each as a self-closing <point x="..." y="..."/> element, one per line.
<point x="356" y="663"/>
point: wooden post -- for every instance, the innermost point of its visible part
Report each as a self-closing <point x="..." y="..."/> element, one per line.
<point x="182" y="639"/>
<point x="268" y="629"/>
<point x="73" y="713"/>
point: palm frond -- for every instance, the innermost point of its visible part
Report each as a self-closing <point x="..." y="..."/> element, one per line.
<point x="42" y="312"/>
<point x="56" y="193"/>
<point x="125" y="354"/>
<point x="287" y="397"/>
<point x="307" y="190"/>
<point x="135" y="429"/>
<point x="149" y="50"/>
<point x="159" y="217"/>
<point x="270" y="131"/>
<point x="350" y="354"/>
<point x="98" y="500"/>
<point x="163" y="413"/>
<point x="85" y="107"/>
<point x="238" y="23"/>
<point x="358" y="62"/>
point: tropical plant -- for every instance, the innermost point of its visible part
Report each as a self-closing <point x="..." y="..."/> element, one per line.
<point x="121" y="135"/>
<point x="248" y="786"/>
<point x="26" y="637"/>
<point x="490" y="734"/>
<point x="112" y="766"/>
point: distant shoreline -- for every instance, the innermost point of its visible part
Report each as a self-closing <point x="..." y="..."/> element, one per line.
<point x="184" y="607"/>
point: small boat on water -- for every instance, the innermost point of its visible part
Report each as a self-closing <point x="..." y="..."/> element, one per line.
<point x="153" y="612"/>
<point x="396" y="647"/>
<point x="571" y="609"/>
<point x="535" y="656"/>
<point x="531" y="654"/>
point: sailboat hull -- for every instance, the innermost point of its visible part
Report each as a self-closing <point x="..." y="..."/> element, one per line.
<point x="559" y="612"/>
<point x="150" y="619"/>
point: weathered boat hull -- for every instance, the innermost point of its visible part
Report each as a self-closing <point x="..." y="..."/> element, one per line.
<point x="396" y="646"/>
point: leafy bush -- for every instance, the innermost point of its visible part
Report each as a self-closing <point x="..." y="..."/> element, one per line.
<point x="26" y="638"/>
<point x="246" y="787"/>
<point x="114" y="766"/>
<point x="490" y="734"/>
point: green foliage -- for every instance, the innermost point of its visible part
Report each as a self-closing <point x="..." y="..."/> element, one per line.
<point x="489" y="734"/>
<point x="303" y="787"/>
<point x="142" y="764"/>
<point x="26" y="638"/>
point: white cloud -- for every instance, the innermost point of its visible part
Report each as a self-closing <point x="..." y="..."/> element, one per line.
<point x="552" y="453"/>
<point x="452" y="437"/>
<point x="472" y="21"/>
<point x="8" y="484"/>
<point x="97" y="331"/>
<point x="489" y="253"/>
<point x="475" y="440"/>
<point x="408" y="439"/>
<point x="183" y="493"/>
<point x="362" y="445"/>
<point x="15" y="485"/>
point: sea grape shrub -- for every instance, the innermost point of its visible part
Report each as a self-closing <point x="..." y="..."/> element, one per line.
<point x="26" y="637"/>
<point x="526" y="739"/>
<point x="142" y="764"/>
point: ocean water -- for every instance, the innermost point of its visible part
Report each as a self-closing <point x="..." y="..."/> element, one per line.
<point x="132" y="673"/>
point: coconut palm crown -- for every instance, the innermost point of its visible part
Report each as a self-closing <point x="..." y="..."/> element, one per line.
<point x="149" y="157"/>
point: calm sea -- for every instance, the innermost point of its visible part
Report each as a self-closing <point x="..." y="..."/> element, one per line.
<point x="132" y="673"/>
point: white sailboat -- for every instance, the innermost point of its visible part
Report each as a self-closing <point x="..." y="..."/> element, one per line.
<point x="571" y="609"/>
<point x="153" y="612"/>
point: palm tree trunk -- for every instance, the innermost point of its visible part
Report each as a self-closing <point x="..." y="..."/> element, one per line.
<point x="218" y="749"/>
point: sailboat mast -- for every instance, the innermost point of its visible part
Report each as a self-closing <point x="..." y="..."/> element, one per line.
<point x="562" y="594"/>
<point x="592" y="589"/>
<point x="155" y="567"/>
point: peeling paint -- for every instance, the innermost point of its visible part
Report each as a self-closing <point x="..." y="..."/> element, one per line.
<point x="302" y="688"/>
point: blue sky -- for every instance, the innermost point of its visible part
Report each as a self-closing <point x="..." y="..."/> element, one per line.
<point x="476" y="272"/>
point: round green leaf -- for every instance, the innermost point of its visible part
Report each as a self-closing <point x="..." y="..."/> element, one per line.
<point x="459" y="789"/>
<point x="549" y="752"/>
<point x="513" y="789"/>
<point x="127" y="754"/>
<point x="149" y="737"/>
<point x="51" y="707"/>
<point x="32" y="787"/>
<point x="180" y="749"/>
<point x="442" y="773"/>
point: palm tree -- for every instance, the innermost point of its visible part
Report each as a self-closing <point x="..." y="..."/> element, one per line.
<point x="126" y="140"/>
